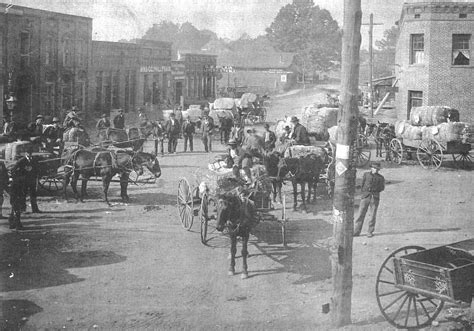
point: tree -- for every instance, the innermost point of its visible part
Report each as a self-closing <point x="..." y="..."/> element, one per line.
<point x="311" y="32"/>
<point x="384" y="58"/>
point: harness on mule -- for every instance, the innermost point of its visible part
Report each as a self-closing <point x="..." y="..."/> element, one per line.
<point x="113" y="158"/>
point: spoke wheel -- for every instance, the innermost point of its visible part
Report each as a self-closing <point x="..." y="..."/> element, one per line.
<point x="208" y="206"/>
<point x="403" y="309"/>
<point x="430" y="154"/>
<point x="362" y="157"/>
<point x="462" y="160"/>
<point x="51" y="183"/>
<point x="185" y="204"/>
<point x="396" y="148"/>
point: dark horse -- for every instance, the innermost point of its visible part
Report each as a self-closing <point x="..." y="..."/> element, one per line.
<point x="238" y="215"/>
<point x="106" y="164"/>
<point x="121" y="138"/>
<point x="382" y="134"/>
<point x="304" y="170"/>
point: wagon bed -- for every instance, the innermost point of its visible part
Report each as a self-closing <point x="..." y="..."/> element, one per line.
<point x="413" y="283"/>
<point x="430" y="153"/>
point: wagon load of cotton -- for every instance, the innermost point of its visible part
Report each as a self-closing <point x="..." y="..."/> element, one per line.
<point x="297" y="151"/>
<point x="403" y="129"/>
<point x="318" y="120"/>
<point x="432" y="115"/>
<point x="444" y="132"/>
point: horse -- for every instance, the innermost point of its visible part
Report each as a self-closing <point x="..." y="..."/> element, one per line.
<point x="270" y="162"/>
<point x="107" y="163"/>
<point x="303" y="170"/>
<point x="238" y="214"/>
<point x="121" y="139"/>
<point x="382" y="134"/>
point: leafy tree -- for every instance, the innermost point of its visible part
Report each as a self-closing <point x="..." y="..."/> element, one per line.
<point x="384" y="55"/>
<point x="310" y="31"/>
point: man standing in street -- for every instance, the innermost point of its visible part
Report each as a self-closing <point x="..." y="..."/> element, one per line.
<point x="119" y="120"/>
<point x="188" y="131"/>
<point x="102" y="124"/>
<point x="207" y="126"/>
<point x="300" y="134"/>
<point x="173" y="131"/>
<point x="372" y="184"/>
<point x="269" y="138"/>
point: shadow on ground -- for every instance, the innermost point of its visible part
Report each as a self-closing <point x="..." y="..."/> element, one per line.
<point x="36" y="259"/>
<point x="15" y="313"/>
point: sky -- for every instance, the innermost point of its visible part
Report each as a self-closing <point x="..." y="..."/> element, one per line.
<point x="127" y="19"/>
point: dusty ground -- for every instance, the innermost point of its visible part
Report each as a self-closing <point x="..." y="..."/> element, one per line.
<point x="132" y="266"/>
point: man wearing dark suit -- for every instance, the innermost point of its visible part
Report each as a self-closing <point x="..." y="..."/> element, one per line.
<point x="119" y="120"/>
<point x="173" y="130"/>
<point x="207" y="126"/>
<point x="300" y="134"/>
<point x="188" y="131"/>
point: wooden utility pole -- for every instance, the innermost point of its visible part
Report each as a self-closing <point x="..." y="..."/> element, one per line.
<point x="371" y="62"/>
<point x="343" y="203"/>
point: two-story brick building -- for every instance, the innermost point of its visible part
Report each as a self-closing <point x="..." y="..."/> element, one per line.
<point x="434" y="64"/>
<point x="194" y="76"/>
<point x="45" y="58"/>
<point x="130" y="75"/>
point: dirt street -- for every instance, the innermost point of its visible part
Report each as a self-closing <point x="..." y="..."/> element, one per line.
<point x="87" y="266"/>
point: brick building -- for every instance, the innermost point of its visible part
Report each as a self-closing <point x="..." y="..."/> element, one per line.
<point x="130" y="75"/>
<point x="433" y="57"/>
<point x="44" y="60"/>
<point x="194" y="76"/>
<point x="261" y="72"/>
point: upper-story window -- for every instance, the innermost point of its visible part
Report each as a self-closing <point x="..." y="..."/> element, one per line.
<point x="67" y="51"/>
<point x="25" y="46"/>
<point x="81" y="52"/>
<point x="49" y="51"/>
<point x="417" y="49"/>
<point x="461" y="51"/>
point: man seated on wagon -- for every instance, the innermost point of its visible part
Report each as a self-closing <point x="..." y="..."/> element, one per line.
<point x="102" y="124"/>
<point x="239" y="158"/>
<point x="300" y="134"/>
<point x="53" y="136"/>
<point x="35" y="129"/>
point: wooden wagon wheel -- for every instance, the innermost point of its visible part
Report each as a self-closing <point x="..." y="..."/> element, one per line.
<point x="462" y="160"/>
<point x="396" y="148"/>
<point x="403" y="309"/>
<point x="185" y="204"/>
<point x="362" y="157"/>
<point x="208" y="206"/>
<point x="430" y="154"/>
<point x="51" y="183"/>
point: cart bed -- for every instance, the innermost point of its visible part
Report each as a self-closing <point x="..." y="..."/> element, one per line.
<point x="445" y="272"/>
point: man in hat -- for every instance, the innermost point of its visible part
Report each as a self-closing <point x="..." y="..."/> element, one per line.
<point x="70" y="116"/>
<point x="24" y="175"/>
<point x="53" y="135"/>
<point x="36" y="129"/>
<point x="119" y="120"/>
<point x="102" y="124"/>
<point x="207" y="126"/>
<point x="239" y="158"/>
<point x="188" y="131"/>
<point x="372" y="184"/>
<point x="269" y="138"/>
<point x="286" y="136"/>
<point x="300" y="134"/>
<point x="172" y="130"/>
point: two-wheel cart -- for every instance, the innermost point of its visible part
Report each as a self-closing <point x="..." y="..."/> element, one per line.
<point x="193" y="201"/>
<point x="430" y="152"/>
<point x="413" y="283"/>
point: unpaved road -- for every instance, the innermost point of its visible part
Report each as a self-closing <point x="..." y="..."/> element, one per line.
<point x="85" y="266"/>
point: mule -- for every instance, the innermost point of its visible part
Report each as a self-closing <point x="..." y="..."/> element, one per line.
<point x="106" y="164"/>
<point x="305" y="171"/>
<point x="270" y="162"/>
<point x="121" y="139"/>
<point x="382" y="134"/>
<point x="238" y="215"/>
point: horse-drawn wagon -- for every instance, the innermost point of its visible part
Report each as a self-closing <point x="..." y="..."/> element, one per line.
<point x="431" y="133"/>
<point x="200" y="198"/>
<point x="253" y="110"/>
<point x="413" y="283"/>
